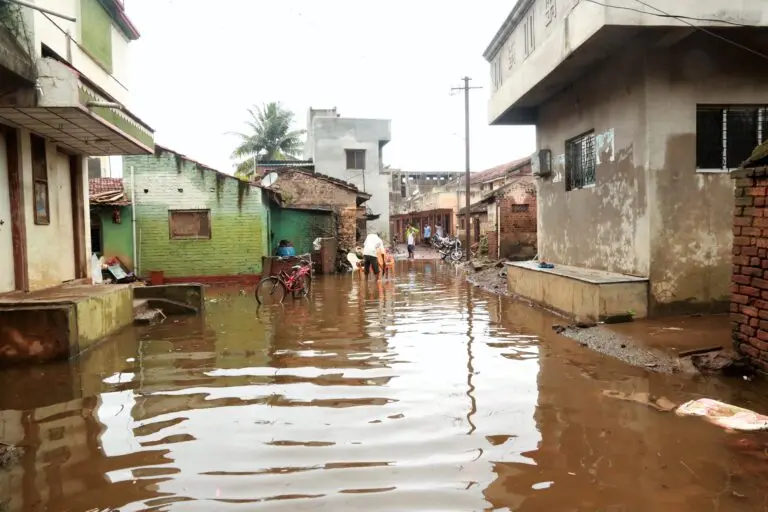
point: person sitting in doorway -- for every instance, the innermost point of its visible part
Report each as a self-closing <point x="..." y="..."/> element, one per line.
<point x="285" y="249"/>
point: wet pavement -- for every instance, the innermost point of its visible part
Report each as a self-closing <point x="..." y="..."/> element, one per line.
<point x="421" y="393"/>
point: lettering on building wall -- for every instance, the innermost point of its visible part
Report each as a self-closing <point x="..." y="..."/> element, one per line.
<point x="496" y="77"/>
<point x="550" y="11"/>
<point x="511" y="58"/>
<point x="528" y="29"/>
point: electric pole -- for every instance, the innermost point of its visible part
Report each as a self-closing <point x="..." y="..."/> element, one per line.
<point x="467" y="217"/>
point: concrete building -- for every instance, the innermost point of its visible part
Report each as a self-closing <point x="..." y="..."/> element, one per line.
<point x="639" y="118"/>
<point x="351" y="149"/>
<point x="407" y="184"/>
<point x="64" y="75"/>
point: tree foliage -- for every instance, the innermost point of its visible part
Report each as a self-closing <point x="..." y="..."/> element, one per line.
<point x="270" y="136"/>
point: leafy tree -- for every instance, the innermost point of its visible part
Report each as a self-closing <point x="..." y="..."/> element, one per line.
<point x="270" y="137"/>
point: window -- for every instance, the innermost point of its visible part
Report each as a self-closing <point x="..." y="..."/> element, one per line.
<point x="519" y="208"/>
<point x="580" y="161"/>
<point x="96" y="32"/>
<point x="490" y="186"/>
<point x="355" y="159"/>
<point x="726" y="136"/>
<point x="189" y="224"/>
<point x="40" y="181"/>
<point x="528" y="27"/>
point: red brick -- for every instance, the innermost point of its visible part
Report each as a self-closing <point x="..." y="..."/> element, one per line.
<point x="736" y="249"/>
<point x="759" y="201"/>
<point x="762" y="336"/>
<point x="736" y="230"/>
<point x="740" y="260"/>
<point x="754" y="322"/>
<point x="748" y="310"/>
<point x="752" y="271"/>
<point x="761" y="304"/>
<point x="734" y="307"/>
<point x="748" y="211"/>
<point x="739" y="279"/>
<point x="751" y="231"/>
<point x="760" y="283"/>
<point x="762" y="253"/>
<point x="750" y="291"/>
<point x="742" y="240"/>
<point x="755" y="191"/>
<point x="749" y="350"/>
<point x="747" y="330"/>
<point x="741" y="337"/>
<point x="739" y="299"/>
<point x="764" y="326"/>
<point x="760" y="182"/>
<point x="742" y="221"/>
<point x="738" y="317"/>
<point x="744" y="201"/>
<point x="755" y="261"/>
<point x="764" y="295"/>
<point x="749" y="251"/>
<point x="760" y="222"/>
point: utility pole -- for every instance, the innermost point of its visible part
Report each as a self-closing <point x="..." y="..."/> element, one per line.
<point x="467" y="217"/>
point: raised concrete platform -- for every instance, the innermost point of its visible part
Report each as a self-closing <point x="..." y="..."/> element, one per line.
<point x="61" y="322"/>
<point x="579" y="293"/>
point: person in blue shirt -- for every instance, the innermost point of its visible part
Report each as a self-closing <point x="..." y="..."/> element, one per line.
<point x="427" y="234"/>
<point x="285" y="249"/>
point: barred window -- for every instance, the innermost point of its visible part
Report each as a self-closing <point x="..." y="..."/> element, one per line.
<point x="580" y="161"/>
<point x="726" y="135"/>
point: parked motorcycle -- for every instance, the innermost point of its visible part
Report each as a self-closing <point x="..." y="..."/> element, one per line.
<point x="450" y="248"/>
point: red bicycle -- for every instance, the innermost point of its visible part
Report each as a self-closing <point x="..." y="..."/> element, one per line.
<point x="273" y="289"/>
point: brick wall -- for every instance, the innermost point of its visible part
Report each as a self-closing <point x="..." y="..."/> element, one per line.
<point x="304" y="189"/>
<point x="238" y="218"/>
<point x="517" y="220"/>
<point x="749" y="281"/>
<point x="493" y="244"/>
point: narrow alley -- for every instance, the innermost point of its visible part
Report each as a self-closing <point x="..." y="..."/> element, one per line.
<point x="421" y="393"/>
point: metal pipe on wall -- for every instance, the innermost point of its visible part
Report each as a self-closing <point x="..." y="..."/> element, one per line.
<point x="133" y="225"/>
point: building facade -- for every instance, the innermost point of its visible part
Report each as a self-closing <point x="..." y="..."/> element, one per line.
<point x="639" y="118"/>
<point x="65" y="98"/>
<point x="193" y="223"/>
<point x="351" y="150"/>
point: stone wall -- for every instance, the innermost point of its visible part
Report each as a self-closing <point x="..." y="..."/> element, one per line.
<point x="749" y="281"/>
<point x="305" y="189"/>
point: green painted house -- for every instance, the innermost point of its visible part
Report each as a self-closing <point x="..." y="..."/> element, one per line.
<point x="111" y="220"/>
<point x="194" y="223"/>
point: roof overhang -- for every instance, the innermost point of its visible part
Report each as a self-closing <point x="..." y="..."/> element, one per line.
<point x="73" y="114"/>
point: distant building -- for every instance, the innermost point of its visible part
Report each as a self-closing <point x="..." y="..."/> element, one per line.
<point x="639" y="117"/>
<point x="350" y="149"/>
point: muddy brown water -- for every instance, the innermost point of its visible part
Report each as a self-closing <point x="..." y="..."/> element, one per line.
<point x="419" y="394"/>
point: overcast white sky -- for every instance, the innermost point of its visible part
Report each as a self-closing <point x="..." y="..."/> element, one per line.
<point x="200" y="63"/>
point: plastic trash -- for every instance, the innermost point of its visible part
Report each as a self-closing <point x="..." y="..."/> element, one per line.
<point x="724" y="415"/>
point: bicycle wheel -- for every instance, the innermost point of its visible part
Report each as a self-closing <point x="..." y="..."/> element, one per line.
<point x="270" y="291"/>
<point x="304" y="285"/>
<point x="457" y="254"/>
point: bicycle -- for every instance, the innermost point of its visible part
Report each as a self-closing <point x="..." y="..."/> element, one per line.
<point x="273" y="289"/>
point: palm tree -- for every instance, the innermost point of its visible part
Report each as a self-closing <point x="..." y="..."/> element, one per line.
<point x="270" y="137"/>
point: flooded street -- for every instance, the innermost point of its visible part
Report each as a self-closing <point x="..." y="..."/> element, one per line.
<point x="418" y="394"/>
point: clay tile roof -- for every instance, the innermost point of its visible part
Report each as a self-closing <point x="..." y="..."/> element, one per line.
<point x="107" y="191"/>
<point x="500" y="171"/>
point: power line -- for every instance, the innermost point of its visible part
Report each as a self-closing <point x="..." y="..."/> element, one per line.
<point x="685" y="19"/>
<point x="662" y="14"/>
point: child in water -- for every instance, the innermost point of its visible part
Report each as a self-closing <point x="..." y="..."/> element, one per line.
<point x="386" y="261"/>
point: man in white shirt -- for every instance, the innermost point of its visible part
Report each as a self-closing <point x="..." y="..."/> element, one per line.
<point x="370" y="258"/>
<point x="411" y="241"/>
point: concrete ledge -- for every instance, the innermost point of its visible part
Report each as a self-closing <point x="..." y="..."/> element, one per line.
<point x="61" y="322"/>
<point x="579" y="293"/>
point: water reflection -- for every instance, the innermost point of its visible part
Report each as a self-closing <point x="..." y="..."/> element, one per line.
<point x="418" y="393"/>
